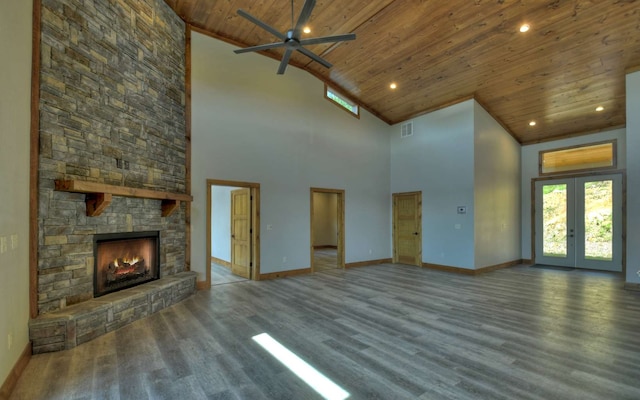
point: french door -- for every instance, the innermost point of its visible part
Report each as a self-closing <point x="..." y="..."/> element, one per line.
<point x="578" y="222"/>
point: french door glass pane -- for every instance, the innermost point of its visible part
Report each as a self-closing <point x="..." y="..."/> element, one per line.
<point x="554" y="220"/>
<point x="598" y="220"/>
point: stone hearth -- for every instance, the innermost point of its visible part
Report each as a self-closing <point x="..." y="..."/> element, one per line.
<point x="65" y="329"/>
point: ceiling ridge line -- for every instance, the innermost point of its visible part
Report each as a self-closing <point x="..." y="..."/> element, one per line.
<point x="335" y="45"/>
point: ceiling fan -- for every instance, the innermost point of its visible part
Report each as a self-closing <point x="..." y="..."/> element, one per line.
<point x="291" y="40"/>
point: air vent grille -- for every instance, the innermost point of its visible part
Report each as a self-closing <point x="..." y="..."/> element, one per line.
<point x="406" y="130"/>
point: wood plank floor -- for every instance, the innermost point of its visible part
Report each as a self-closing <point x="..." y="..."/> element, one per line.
<point x="380" y="332"/>
<point x="221" y="275"/>
<point x="324" y="259"/>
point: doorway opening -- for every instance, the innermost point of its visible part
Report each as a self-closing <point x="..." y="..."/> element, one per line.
<point x="578" y="222"/>
<point x="233" y="226"/>
<point x="327" y="229"/>
<point x="407" y="228"/>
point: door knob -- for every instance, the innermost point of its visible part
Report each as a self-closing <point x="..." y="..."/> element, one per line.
<point x="415" y="233"/>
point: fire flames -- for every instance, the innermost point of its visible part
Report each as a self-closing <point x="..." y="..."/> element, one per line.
<point x="131" y="261"/>
<point x="126" y="268"/>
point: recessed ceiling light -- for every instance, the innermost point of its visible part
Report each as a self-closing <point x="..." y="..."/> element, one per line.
<point x="306" y="29"/>
<point x="393" y="85"/>
<point x="532" y="123"/>
<point x="524" y="28"/>
<point x="599" y="108"/>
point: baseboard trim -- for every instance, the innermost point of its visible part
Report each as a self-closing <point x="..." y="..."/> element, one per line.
<point x="447" y="268"/>
<point x="220" y="261"/>
<point x="15" y="373"/>
<point x="285" y="274"/>
<point x="325" y="246"/>
<point x="202" y="285"/>
<point x="496" y="267"/>
<point x="368" y="263"/>
<point x="527" y="262"/>
<point x="632" y="286"/>
<point x="478" y="271"/>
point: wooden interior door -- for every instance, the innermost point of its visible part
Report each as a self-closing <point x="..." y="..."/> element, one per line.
<point x="241" y="232"/>
<point x="407" y="228"/>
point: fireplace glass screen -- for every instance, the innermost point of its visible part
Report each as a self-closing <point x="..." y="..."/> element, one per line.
<point x="123" y="260"/>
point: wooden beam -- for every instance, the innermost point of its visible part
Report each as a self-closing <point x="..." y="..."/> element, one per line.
<point x="95" y="187"/>
<point x="99" y="195"/>
<point x="97" y="203"/>
<point x="34" y="156"/>
<point x="169" y="206"/>
<point x="187" y="150"/>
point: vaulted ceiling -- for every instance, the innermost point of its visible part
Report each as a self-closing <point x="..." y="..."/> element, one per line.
<point x="573" y="58"/>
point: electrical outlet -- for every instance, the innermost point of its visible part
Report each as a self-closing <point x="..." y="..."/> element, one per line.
<point x="370" y="251"/>
<point x="284" y="259"/>
<point x="14" y="241"/>
<point x="3" y="244"/>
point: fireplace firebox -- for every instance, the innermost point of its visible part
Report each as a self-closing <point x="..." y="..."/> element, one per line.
<point x="123" y="260"/>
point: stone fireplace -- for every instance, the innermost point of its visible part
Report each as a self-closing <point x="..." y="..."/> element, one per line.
<point x="124" y="260"/>
<point x="112" y="114"/>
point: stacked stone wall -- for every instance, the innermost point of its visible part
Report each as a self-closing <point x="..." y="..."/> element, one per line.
<point x="112" y="87"/>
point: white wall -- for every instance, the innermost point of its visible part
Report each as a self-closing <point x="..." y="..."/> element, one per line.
<point x="530" y="171"/>
<point x="15" y="82"/>
<point x="325" y="219"/>
<point x="221" y="222"/>
<point x="252" y="125"/>
<point x="633" y="177"/>
<point x="439" y="160"/>
<point x="497" y="192"/>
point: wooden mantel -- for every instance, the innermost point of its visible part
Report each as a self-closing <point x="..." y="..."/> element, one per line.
<point x="98" y="195"/>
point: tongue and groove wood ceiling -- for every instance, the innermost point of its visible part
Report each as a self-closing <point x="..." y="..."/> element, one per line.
<point x="573" y="59"/>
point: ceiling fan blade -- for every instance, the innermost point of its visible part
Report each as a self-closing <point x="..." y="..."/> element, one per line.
<point x="304" y="15"/>
<point x="261" y="24"/>
<point x="314" y="57"/>
<point x="326" y="39"/>
<point x="260" y="47"/>
<point x="285" y="61"/>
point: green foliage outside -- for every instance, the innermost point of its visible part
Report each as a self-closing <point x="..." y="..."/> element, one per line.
<point x="340" y="101"/>
<point x="598" y="219"/>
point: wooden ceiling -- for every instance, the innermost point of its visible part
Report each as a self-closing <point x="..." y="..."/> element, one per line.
<point x="573" y="59"/>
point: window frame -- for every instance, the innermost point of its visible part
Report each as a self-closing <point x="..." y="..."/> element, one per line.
<point x="613" y="166"/>
<point x="344" y="98"/>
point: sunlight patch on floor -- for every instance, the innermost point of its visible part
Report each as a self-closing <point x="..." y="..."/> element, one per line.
<point x="318" y="382"/>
